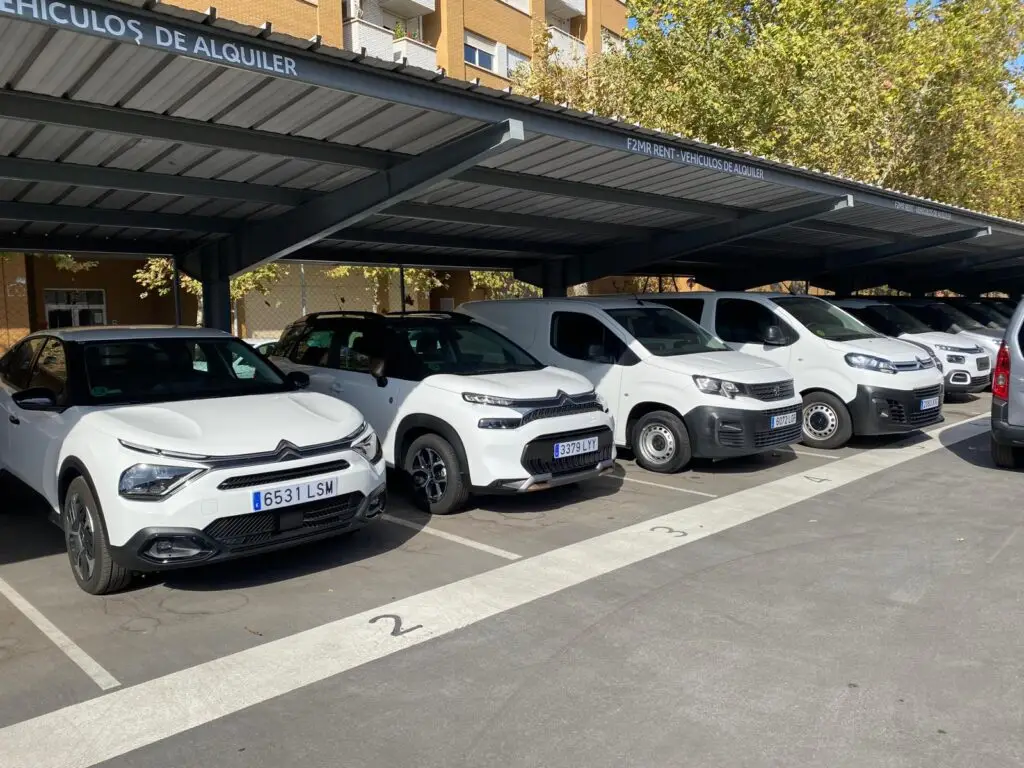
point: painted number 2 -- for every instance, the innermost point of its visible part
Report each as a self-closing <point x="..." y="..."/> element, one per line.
<point x="672" y="531"/>
<point x="396" y="631"/>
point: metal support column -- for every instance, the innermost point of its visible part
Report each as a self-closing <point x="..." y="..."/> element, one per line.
<point x="176" y="288"/>
<point x="216" y="293"/>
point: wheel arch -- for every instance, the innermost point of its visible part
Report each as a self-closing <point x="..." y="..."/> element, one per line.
<point x="417" y="424"/>
<point x="641" y="409"/>
<point x="71" y="468"/>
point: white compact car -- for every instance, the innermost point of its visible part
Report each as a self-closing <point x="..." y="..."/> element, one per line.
<point x="159" y="448"/>
<point x="853" y="380"/>
<point x="966" y="366"/>
<point x="942" y="316"/>
<point x="675" y="390"/>
<point x="460" y="408"/>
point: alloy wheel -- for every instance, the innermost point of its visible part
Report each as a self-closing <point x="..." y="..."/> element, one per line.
<point x="80" y="527"/>
<point x="430" y="474"/>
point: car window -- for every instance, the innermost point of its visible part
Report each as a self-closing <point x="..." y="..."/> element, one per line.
<point x="742" y="321"/>
<point x="584" y="337"/>
<point x="166" y="369"/>
<point x="314" y="347"/>
<point x="356" y="350"/>
<point x="692" y="308"/>
<point x="824" y="320"/>
<point x="454" y="347"/>
<point x="286" y="343"/>
<point x="958" y="319"/>
<point x="17" y="364"/>
<point x="664" y="332"/>
<point x="888" y="319"/>
<point x="50" y="370"/>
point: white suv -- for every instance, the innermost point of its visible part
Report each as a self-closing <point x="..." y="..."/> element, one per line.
<point x="459" y="407"/>
<point x="159" y="448"/>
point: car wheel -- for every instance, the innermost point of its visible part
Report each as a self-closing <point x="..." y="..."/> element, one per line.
<point x="438" y="485"/>
<point x="826" y="421"/>
<point x="86" y="539"/>
<point x="660" y="442"/>
<point x="1004" y="456"/>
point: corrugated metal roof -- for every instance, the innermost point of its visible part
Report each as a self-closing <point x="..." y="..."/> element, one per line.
<point x="578" y="182"/>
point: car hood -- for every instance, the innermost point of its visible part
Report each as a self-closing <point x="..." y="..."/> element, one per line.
<point x="986" y="333"/>
<point x="733" y="366"/>
<point x="933" y="338"/>
<point x="230" y="426"/>
<point x="881" y="346"/>
<point x="521" y="385"/>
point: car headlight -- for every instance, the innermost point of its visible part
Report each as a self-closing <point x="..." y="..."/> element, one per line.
<point x="369" y="447"/>
<point x="870" y="363"/>
<point x="154" y="481"/>
<point x="956" y="359"/>
<point x="472" y="397"/>
<point x="947" y="348"/>
<point x="711" y="386"/>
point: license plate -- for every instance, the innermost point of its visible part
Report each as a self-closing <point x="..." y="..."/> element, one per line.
<point x="982" y="363"/>
<point x="784" y="420"/>
<point x="575" y="447"/>
<point x="299" y="493"/>
<point x="929" y="402"/>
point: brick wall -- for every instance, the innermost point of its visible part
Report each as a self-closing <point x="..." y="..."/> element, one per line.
<point x="14" y="300"/>
<point x="300" y="18"/>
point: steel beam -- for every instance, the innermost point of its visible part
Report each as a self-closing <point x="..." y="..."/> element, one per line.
<point x="679" y="245"/>
<point x="95" y="246"/>
<point x="861" y="257"/>
<point x="22" y="169"/>
<point x="105" y="217"/>
<point x="429" y="240"/>
<point x="433" y="260"/>
<point x="268" y="239"/>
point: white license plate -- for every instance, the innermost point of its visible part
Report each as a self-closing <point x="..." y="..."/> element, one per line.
<point x="784" y="420"/>
<point x="575" y="447"/>
<point x="929" y="403"/>
<point x="298" y="493"/>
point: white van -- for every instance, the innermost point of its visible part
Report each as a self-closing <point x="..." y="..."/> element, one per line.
<point x="675" y="390"/>
<point x="459" y="408"/>
<point x="966" y="367"/>
<point x="853" y="380"/>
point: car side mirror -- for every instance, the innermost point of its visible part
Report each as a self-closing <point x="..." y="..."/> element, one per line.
<point x="377" y="366"/>
<point x="35" y="399"/>
<point x="774" y="337"/>
<point x="298" y="379"/>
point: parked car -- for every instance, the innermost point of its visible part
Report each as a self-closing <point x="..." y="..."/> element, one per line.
<point x="984" y="312"/>
<point x="853" y="380"/>
<point x="461" y="409"/>
<point x="264" y="346"/>
<point x="676" y="390"/>
<point x="159" y="448"/>
<point x="940" y="316"/>
<point x="1007" y="441"/>
<point x="965" y="366"/>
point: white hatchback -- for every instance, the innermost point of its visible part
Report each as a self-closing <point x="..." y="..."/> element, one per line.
<point x="159" y="448"/>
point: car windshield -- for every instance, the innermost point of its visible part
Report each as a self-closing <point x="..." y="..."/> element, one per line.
<point x="984" y="314"/>
<point x="823" y="319"/>
<point x="961" y="319"/>
<point x="127" y="371"/>
<point x="887" y="319"/>
<point x="665" y="333"/>
<point x="463" y="348"/>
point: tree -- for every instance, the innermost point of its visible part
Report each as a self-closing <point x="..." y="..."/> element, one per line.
<point x="503" y="285"/>
<point x="380" y="278"/>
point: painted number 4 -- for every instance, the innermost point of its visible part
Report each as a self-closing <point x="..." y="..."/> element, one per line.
<point x="396" y="630"/>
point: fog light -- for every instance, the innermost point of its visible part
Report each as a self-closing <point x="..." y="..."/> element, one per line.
<point x="882" y="409"/>
<point x="175" y="548"/>
<point x="378" y="501"/>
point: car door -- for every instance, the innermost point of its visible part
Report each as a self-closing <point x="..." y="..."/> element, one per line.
<point x="587" y="345"/>
<point x="743" y="325"/>
<point x="15" y="370"/>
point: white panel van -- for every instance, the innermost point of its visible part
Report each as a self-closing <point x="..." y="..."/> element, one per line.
<point x="853" y="380"/>
<point x="676" y="391"/>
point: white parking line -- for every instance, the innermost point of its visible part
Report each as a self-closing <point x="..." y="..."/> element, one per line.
<point x="84" y="734"/>
<point x="661" y="485"/>
<point x="816" y="455"/>
<point x="452" y="537"/>
<point x="85" y="662"/>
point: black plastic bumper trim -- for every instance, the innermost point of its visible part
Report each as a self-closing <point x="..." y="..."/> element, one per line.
<point x="719" y="433"/>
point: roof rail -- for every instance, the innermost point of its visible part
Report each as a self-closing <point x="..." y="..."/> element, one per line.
<point x="341" y="313"/>
<point x="429" y="312"/>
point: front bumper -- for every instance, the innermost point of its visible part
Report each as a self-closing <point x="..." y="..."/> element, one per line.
<point x="545" y="471"/>
<point x="882" y="411"/>
<point x="229" y="538"/>
<point x="719" y="433"/>
<point x="1003" y="432"/>
<point x="962" y="382"/>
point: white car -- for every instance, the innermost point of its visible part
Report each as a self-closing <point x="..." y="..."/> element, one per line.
<point x="676" y="391"/>
<point x="159" y="448"/>
<point x="941" y="316"/>
<point x="460" y="408"/>
<point x="966" y="366"/>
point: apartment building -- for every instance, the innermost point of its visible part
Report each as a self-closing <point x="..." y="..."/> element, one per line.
<point x="469" y="39"/>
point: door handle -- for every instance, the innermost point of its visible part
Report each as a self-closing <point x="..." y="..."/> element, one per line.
<point x="13" y="419"/>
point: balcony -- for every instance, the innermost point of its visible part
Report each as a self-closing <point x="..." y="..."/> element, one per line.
<point x="408" y="9"/>
<point x="568" y="49"/>
<point x="566" y="9"/>
<point x="377" y="40"/>
<point x="415" y="53"/>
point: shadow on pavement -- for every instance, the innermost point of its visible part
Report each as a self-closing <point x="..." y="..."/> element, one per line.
<point x="26" y="532"/>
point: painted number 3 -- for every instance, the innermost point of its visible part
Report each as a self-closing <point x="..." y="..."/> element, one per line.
<point x="396" y="631"/>
<point x="671" y="531"/>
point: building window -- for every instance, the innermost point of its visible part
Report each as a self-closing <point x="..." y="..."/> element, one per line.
<point x="68" y="309"/>
<point x="479" y="51"/>
<point x="516" y="60"/>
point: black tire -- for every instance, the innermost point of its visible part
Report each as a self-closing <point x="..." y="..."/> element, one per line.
<point x="826" y="421"/>
<point x="85" y="535"/>
<point x="436" y="475"/>
<point x="1004" y="456"/>
<point x="660" y="442"/>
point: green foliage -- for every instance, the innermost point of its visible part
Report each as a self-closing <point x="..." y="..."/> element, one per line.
<point x="917" y="96"/>
<point x="502" y="285"/>
<point x="157" y="276"/>
<point x="65" y="262"/>
<point x="380" y="278"/>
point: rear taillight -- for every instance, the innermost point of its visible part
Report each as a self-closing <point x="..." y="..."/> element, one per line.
<point x="1001" y="376"/>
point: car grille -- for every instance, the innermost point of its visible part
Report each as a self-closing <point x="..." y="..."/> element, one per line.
<point x="241" y="532"/>
<point x="775" y="390"/>
<point x="983" y="363"/>
<point x="264" y="478"/>
<point x="552" y="408"/>
<point x="898" y="412"/>
<point x="767" y="437"/>
<point x="977" y="381"/>
<point x="538" y="455"/>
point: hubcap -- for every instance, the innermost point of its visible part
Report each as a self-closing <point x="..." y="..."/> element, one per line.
<point x="820" y="421"/>
<point x="657" y="443"/>
<point x="429" y="474"/>
<point x="80" y="536"/>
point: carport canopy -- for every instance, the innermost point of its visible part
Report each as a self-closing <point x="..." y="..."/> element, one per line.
<point x="143" y="129"/>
